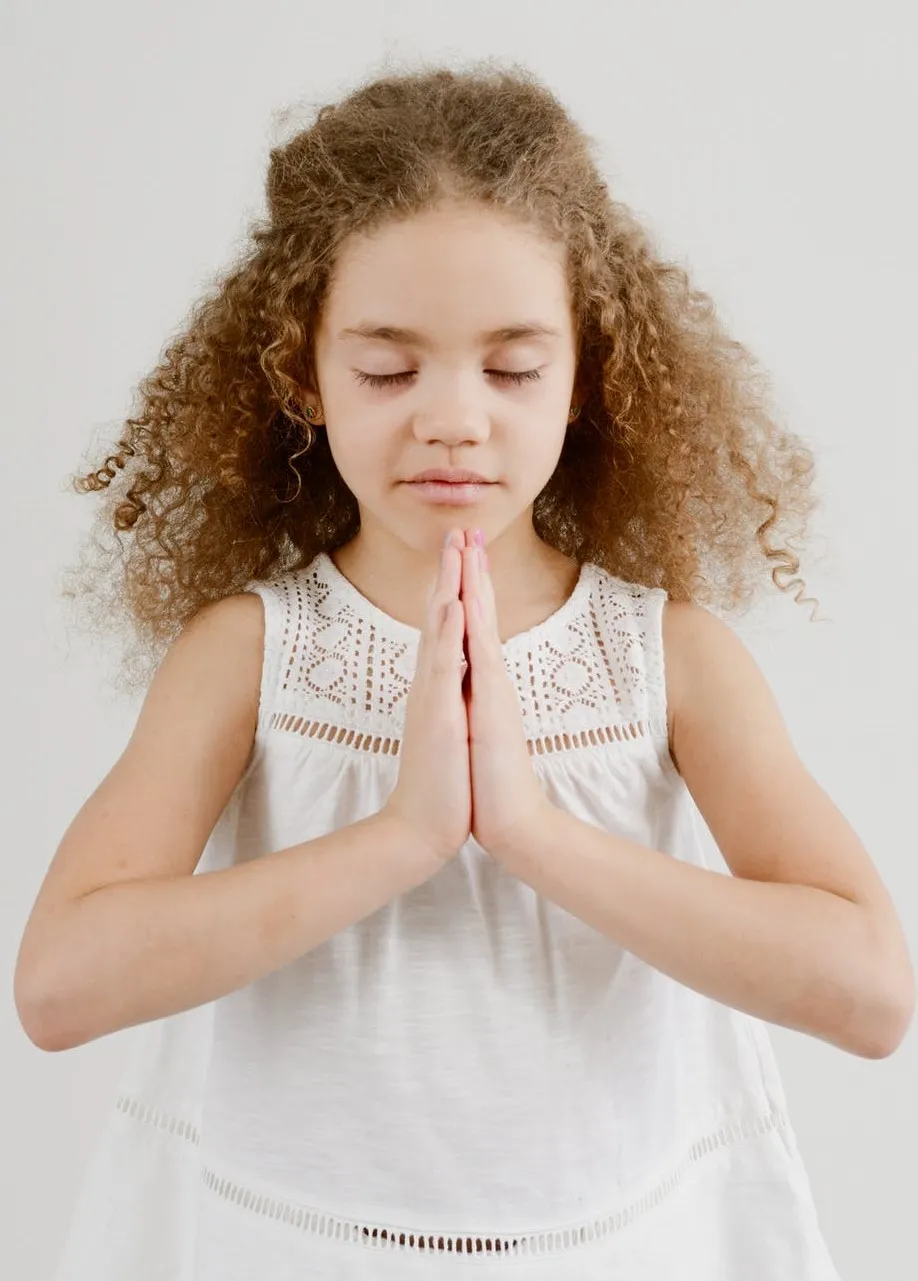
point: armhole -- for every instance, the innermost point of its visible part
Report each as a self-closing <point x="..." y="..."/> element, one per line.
<point x="276" y="617"/>
<point x="655" y="599"/>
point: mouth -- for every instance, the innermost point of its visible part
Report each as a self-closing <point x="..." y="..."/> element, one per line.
<point x="450" y="492"/>
<point x="449" y="476"/>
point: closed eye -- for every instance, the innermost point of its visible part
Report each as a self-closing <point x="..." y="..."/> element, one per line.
<point x="390" y="380"/>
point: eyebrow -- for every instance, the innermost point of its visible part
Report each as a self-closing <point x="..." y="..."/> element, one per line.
<point x="396" y="334"/>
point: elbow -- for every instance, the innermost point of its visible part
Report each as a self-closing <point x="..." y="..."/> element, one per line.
<point x="39" y="1017"/>
<point x="36" y="1025"/>
<point x="882" y="1046"/>
<point x="886" y="1002"/>
<point x="40" y="1038"/>
<point x="888" y="1019"/>
<point x="42" y="1030"/>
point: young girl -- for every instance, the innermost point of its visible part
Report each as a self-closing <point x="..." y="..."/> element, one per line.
<point x="426" y="500"/>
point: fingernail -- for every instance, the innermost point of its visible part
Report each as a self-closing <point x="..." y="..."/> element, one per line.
<point x="448" y="539"/>
<point x="479" y="538"/>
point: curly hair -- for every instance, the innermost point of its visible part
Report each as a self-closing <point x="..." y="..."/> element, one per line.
<point x="675" y="474"/>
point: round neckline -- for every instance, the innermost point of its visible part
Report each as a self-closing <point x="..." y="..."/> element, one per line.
<point x="397" y="630"/>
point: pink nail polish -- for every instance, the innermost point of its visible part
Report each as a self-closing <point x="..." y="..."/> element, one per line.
<point x="479" y="538"/>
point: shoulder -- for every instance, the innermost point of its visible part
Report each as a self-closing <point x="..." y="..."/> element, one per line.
<point x="708" y="671"/>
<point x="236" y="621"/>
<point x="691" y="632"/>
<point x="220" y="648"/>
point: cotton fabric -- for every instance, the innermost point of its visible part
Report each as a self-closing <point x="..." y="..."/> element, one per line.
<point x="471" y="1065"/>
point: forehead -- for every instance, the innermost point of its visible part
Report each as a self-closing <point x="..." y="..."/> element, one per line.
<point x="447" y="272"/>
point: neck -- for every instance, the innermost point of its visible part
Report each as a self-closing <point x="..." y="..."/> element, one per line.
<point x="530" y="578"/>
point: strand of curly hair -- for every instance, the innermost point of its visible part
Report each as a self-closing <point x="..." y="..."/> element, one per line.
<point x="675" y="474"/>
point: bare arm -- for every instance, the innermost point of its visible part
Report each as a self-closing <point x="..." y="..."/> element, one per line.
<point x="122" y="932"/>
<point x="804" y="933"/>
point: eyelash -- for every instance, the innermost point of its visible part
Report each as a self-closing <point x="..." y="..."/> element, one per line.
<point x="390" y="380"/>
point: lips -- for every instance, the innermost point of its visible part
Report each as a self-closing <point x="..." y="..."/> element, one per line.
<point x="449" y="476"/>
<point x="453" y="493"/>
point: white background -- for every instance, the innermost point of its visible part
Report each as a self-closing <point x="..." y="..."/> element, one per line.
<point x="769" y="147"/>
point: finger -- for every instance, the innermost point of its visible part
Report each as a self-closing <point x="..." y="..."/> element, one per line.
<point x="466" y="595"/>
<point x="486" y="589"/>
<point x="454" y="635"/>
<point x="437" y="598"/>
<point x="436" y="579"/>
<point x="450" y="619"/>
<point x="448" y="653"/>
<point x="453" y="569"/>
<point x="471" y="583"/>
<point x="485" y="651"/>
<point x="477" y="648"/>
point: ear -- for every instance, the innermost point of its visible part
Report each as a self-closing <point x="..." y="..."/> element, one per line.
<point x="311" y="408"/>
<point x="577" y="398"/>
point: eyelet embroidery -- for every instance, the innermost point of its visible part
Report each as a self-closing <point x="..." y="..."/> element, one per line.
<point x="544" y="745"/>
<point x="390" y="1237"/>
<point x="588" y="677"/>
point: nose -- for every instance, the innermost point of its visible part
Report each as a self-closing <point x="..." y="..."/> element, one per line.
<point x="452" y="416"/>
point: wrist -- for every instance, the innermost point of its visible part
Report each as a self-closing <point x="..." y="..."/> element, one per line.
<point x="532" y="833"/>
<point x="410" y="842"/>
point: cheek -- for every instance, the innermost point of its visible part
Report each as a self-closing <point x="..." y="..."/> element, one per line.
<point x="360" y="454"/>
<point x="538" y="457"/>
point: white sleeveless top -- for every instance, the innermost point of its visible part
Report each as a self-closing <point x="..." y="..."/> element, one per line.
<point x="471" y="1081"/>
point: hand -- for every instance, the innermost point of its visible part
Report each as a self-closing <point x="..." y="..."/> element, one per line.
<point x="507" y="798"/>
<point x="433" y="793"/>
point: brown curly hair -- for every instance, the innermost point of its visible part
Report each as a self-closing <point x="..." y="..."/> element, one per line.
<point x="675" y="474"/>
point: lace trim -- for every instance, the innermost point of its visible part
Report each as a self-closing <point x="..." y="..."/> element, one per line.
<point x="333" y="658"/>
<point x="158" y="1119"/>
<point x="542" y="745"/>
<point x="379" y="1237"/>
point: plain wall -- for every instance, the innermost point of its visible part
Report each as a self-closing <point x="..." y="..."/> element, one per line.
<point x="768" y="147"/>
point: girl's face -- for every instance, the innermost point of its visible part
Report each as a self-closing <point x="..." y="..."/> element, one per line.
<point x="415" y="373"/>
